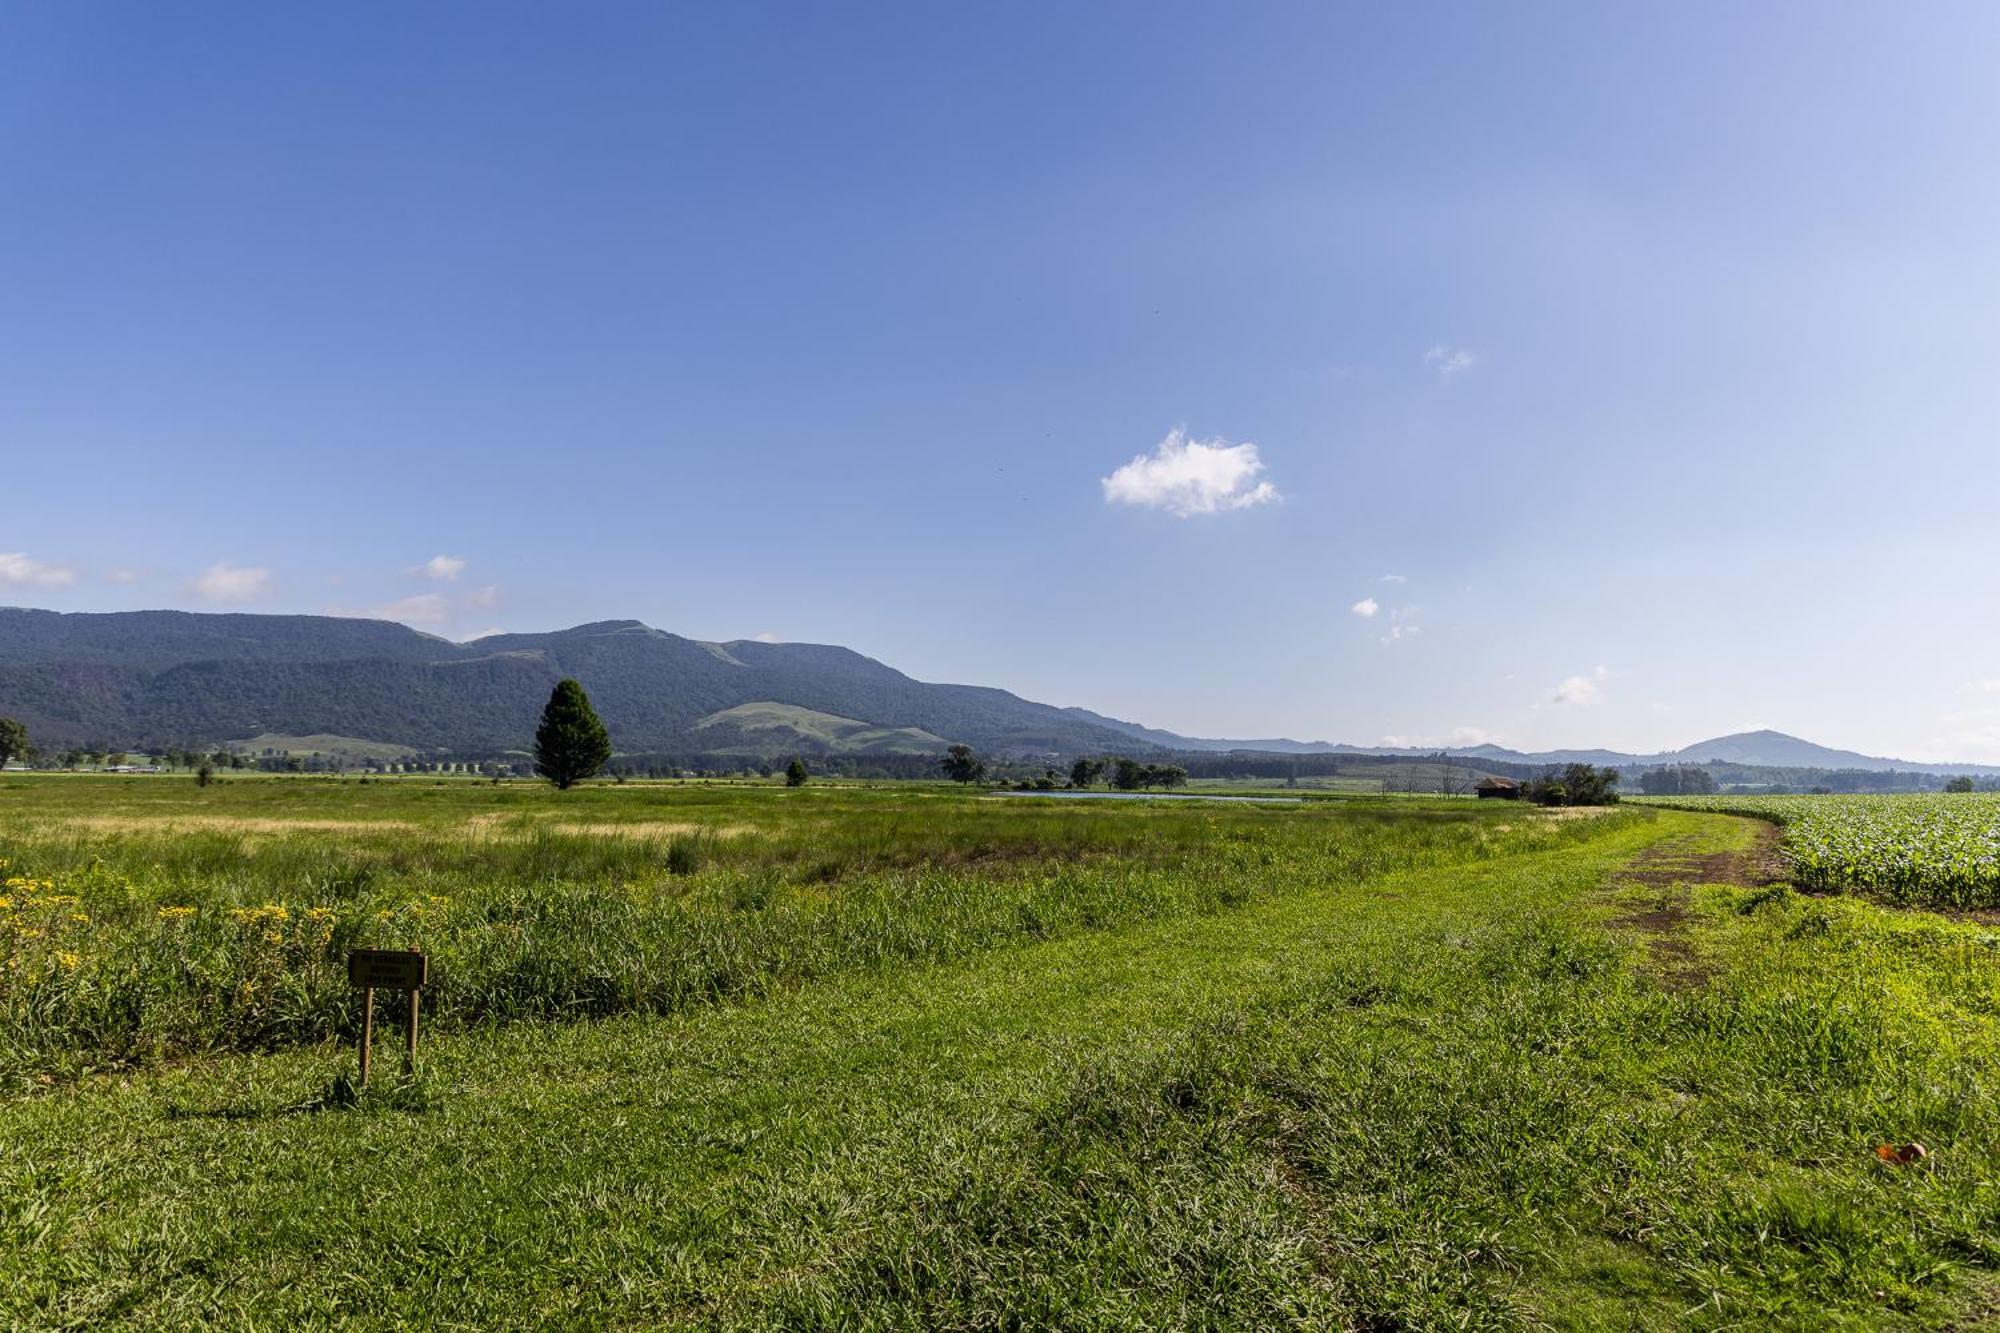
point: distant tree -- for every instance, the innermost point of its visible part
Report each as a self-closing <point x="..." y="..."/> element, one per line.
<point x="115" y="758"/>
<point x="1959" y="784"/>
<point x="13" y="740"/>
<point x="1590" y="786"/>
<point x="1127" y="774"/>
<point x="1085" y="772"/>
<point x="795" y="773"/>
<point x="571" y="744"/>
<point x="1575" y="784"/>
<point x="1166" y="775"/>
<point x="1678" y="780"/>
<point x="205" y="774"/>
<point x="961" y="765"/>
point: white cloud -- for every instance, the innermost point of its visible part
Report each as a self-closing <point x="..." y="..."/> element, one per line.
<point x="1187" y="477"/>
<point x="1402" y="619"/>
<point x="1582" y="691"/>
<point x="122" y="575"/>
<point x="1394" y="578"/>
<point x="426" y="608"/>
<point x="1458" y="738"/>
<point x="444" y="568"/>
<point x="484" y="597"/>
<point x="225" y="582"/>
<point x="767" y="637"/>
<point x="1449" y="361"/>
<point x="1969" y="734"/>
<point x="486" y="633"/>
<point x="16" y="570"/>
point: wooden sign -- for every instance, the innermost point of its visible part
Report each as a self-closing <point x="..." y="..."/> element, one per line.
<point x="387" y="969"/>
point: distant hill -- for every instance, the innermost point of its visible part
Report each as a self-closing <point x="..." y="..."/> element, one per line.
<point x="134" y="679"/>
<point x="143" y="678"/>
<point x="1760" y="749"/>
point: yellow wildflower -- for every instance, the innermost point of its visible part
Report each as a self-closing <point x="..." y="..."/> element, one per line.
<point x="68" y="961"/>
<point x="174" y="913"/>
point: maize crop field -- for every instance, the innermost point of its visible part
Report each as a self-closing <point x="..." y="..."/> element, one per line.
<point x="1931" y="850"/>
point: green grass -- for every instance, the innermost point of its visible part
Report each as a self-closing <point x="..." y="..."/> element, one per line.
<point x="1362" y="1064"/>
<point x="211" y="920"/>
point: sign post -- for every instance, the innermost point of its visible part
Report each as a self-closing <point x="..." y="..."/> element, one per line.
<point x="406" y="970"/>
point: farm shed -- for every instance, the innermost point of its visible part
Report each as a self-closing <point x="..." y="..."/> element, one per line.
<point x="1498" y="789"/>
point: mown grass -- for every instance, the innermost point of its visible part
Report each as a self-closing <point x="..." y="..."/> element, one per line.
<point x="1450" y="1093"/>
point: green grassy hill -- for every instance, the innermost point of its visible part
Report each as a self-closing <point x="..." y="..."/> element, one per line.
<point x="173" y="678"/>
<point x="760" y="724"/>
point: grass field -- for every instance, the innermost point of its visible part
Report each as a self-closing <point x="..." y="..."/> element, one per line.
<point x="906" y="1057"/>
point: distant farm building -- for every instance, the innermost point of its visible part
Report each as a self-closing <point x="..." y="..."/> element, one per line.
<point x="1498" y="789"/>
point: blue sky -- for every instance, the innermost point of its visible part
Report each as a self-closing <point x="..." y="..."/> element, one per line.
<point x="1637" y="366"/>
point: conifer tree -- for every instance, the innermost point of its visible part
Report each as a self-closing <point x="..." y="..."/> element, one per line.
<point x="571" y="744"/>
<point x="13" y="741"/>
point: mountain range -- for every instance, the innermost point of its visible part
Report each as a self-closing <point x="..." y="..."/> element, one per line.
<point x="148" y="678"/>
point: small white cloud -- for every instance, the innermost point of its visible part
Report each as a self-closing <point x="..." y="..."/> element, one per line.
<point x="1458" y="738"/>
<point x="1449" y="361"/>
<point x="17" y="570"/>
<point x="1397" y="633"/>
<point x="225" y="582"/>
<point x="122" y="576"/>
<point x="1366" y="607"/>
<point x="484" y="597"/>
<point x="486" y="633"/>
<point x="767" y="637"/>
<point x="1971" y="733"/>
<point x="1394" y="578"/>
<point x="1582" y="691"/>
<point x="444" y="568"/>
<point x="1188" y="477"/>
<point x="426" y="608"/>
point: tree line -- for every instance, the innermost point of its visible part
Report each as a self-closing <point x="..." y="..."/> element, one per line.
<point x="572" y="744"/>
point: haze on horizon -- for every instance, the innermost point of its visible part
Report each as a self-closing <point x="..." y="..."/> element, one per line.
<point x="1581" y="377"/>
